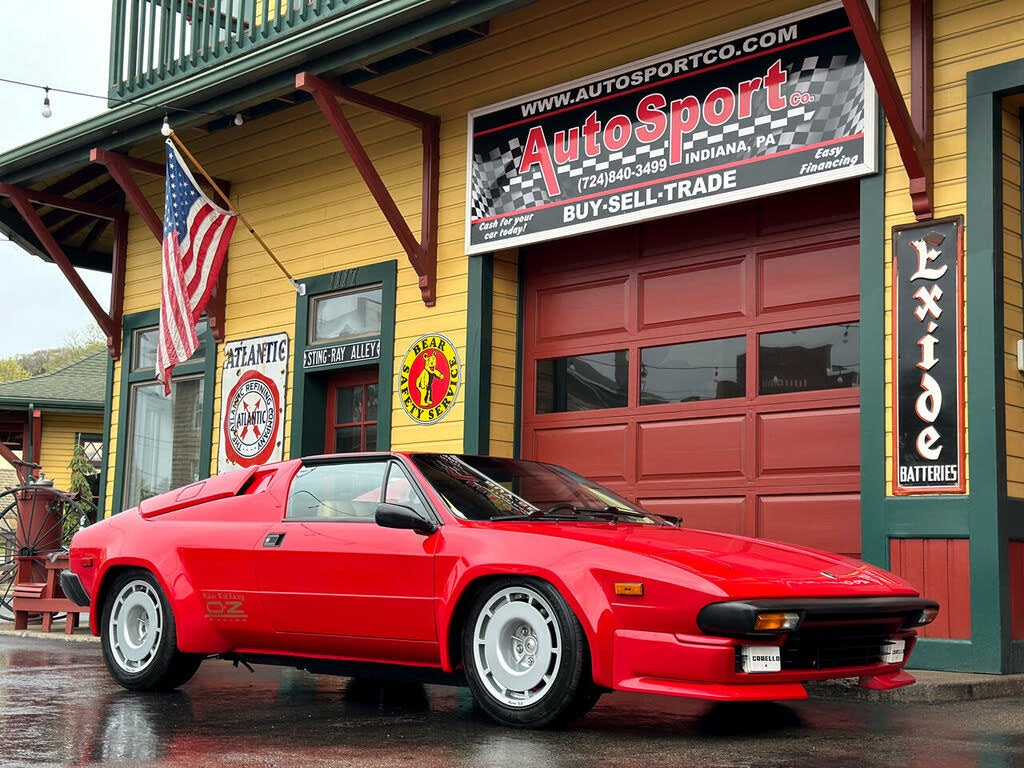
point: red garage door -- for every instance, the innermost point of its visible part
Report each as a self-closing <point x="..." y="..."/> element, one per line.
<point x="707" y="365"/>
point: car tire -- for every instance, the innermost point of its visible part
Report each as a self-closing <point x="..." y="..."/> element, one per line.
<point x="139" y="638"/>
<point x="525" y="655"/>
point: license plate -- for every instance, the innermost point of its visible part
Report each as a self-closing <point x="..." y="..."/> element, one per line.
<point x="893" y="650"/>
<point x="761" y="658"/>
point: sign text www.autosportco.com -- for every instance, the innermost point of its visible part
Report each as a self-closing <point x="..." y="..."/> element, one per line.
<point x="768" y="108"/>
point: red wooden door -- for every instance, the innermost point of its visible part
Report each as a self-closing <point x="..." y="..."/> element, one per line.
<point x="352" y="412"/>
<point x="707" y="365"/>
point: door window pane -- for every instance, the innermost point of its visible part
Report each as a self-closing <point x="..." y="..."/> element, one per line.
<point x="699" y="370"/>
<point x="827" y="357"/>
<point x="583" y="382"/>
<point x="164" y="438"/>
<point x="337" y="491"/>
<point x="348" y="439"/>
<point x="344" y="316"/>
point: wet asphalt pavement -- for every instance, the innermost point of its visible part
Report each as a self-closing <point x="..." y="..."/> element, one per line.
<point x="58" y="707"/>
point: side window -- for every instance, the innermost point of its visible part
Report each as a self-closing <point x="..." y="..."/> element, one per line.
<point x="400" y="490"/>
<point x="346" y="492"/>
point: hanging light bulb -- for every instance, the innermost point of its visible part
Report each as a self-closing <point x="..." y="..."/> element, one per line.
<point x="46" y="102"/>
<point x="165" y="129"/>
<point x="238" y="118"/>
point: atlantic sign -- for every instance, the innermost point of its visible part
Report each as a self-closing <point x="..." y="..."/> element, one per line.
<point x="778" y="106"/>
<point x="928" y="402"/>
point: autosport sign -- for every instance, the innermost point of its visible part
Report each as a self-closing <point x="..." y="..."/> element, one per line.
<point x="778" y="106"/>
<point x="928" y="428"/>
<point x="252" y="401"/>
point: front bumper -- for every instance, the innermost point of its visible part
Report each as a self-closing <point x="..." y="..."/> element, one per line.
<point x="703" y="667"/>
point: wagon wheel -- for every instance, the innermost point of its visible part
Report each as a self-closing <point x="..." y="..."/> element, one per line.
<point x="35" y="522"/>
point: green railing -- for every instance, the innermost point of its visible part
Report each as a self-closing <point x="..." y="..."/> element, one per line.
<point x="158" y="42"/>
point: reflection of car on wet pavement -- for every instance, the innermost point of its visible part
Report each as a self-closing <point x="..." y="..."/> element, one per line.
<point x="536" y="587"/>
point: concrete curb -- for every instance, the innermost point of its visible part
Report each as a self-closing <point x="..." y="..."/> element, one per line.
<point x="80" y="635"/>
<point x="931" y="687"/>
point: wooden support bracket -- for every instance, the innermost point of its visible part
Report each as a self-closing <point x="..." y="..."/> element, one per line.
<point x="422" y="253"/>
<point x="120" y="168"/>
<point x="913" y="135"/>
<point x="110" y="324"/>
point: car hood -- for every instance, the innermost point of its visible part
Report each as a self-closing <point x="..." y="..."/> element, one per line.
<point x="741" y="566"/>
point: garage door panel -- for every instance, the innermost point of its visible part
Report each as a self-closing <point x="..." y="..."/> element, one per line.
<point x="811" y="441"/>
<point x="600" y="452"/>
<point x="690" y="448"/>
<point x="820" y="276"/>
<point x="723" y="514"/>
<point x="823" y="521"/>
<point x="698" y="293"/>
<point x="592" y="309"/>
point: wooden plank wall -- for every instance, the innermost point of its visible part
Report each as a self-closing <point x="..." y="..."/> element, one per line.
<point x="940" y="569"/>
<point x="58" y="443"/>
<point x="1013" y="318"/>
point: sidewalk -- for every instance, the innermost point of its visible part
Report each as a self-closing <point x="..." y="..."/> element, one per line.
<point x="931" y="687"/>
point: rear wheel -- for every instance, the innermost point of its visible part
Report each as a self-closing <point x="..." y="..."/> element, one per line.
<point x="525" y="655"/>
<point x="139" y="637"/>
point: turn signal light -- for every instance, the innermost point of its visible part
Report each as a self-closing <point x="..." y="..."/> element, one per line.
<point x="629" y="588"/>
<point x="927" y="616"/>
<point x="776" y="621"/>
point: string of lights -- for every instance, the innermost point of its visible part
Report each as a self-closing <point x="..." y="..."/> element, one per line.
<point x="47" y="109"/>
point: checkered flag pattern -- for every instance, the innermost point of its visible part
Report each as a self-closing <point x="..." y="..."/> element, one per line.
<point x="833" y="108"/>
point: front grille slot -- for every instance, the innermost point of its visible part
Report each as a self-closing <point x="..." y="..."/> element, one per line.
<point x="832" y="647"/>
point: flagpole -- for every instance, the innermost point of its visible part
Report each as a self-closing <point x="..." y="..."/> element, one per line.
<point x="300" y="288"/>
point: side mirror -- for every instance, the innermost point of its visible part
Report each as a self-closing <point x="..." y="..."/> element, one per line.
<point x="406" y="518"/>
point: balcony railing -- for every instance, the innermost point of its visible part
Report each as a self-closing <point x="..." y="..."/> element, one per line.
<point x="157" y="42"/>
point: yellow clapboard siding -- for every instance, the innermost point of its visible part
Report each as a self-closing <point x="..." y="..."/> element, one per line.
<point x="57" y="443"/>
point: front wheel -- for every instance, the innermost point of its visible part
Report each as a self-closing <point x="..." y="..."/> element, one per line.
<point x="139" y="639"/>
<point x="525" y="655"/>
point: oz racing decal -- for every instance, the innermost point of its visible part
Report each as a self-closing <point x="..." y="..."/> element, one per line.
<point x="252" y="421"/>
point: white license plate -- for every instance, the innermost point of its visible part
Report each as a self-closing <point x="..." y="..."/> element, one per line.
<point x="761" y="658"/>
<point x="893" y="650"/>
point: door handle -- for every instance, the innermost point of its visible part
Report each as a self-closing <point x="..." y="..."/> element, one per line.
<point x="273" y="540"/>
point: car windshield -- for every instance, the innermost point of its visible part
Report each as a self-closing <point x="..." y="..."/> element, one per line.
<point x="490" y="488"/>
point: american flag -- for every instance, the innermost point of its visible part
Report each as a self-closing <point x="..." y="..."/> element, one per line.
<point x="196" y="236"/>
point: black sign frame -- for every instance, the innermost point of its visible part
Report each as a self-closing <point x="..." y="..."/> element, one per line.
<point x="777" y="106"/>
<point x="928" y="426"/>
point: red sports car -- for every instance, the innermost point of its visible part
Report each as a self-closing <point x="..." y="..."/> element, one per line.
<point x="538" y="588"/>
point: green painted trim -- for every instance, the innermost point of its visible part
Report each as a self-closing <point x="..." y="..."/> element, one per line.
<point x="874" y="538"/>
<point x="208" y="369"/>
<point x="479" y="341"/>
<point x="309" y="389"/>
<point x="990" y="624"/>
<point x="101" y="502"/>
<point x="930" y="653"/>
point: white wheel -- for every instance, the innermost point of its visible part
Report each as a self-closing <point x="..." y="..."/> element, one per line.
<point x="139" y="638"/>
<point x="518" y="644"/>
<point x="135" y="626"/>
<point x="525" y="654"/>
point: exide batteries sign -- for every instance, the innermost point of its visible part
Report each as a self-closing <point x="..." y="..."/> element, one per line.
<point x="770" y="108"/>
<point x="928" y="418"/>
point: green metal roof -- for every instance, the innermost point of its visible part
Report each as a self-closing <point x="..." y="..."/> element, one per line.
<point x="79" y="386"/>
<point x="388" y="32"/>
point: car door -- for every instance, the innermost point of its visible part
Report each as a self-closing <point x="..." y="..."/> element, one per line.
<point x="347" y="585"/>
